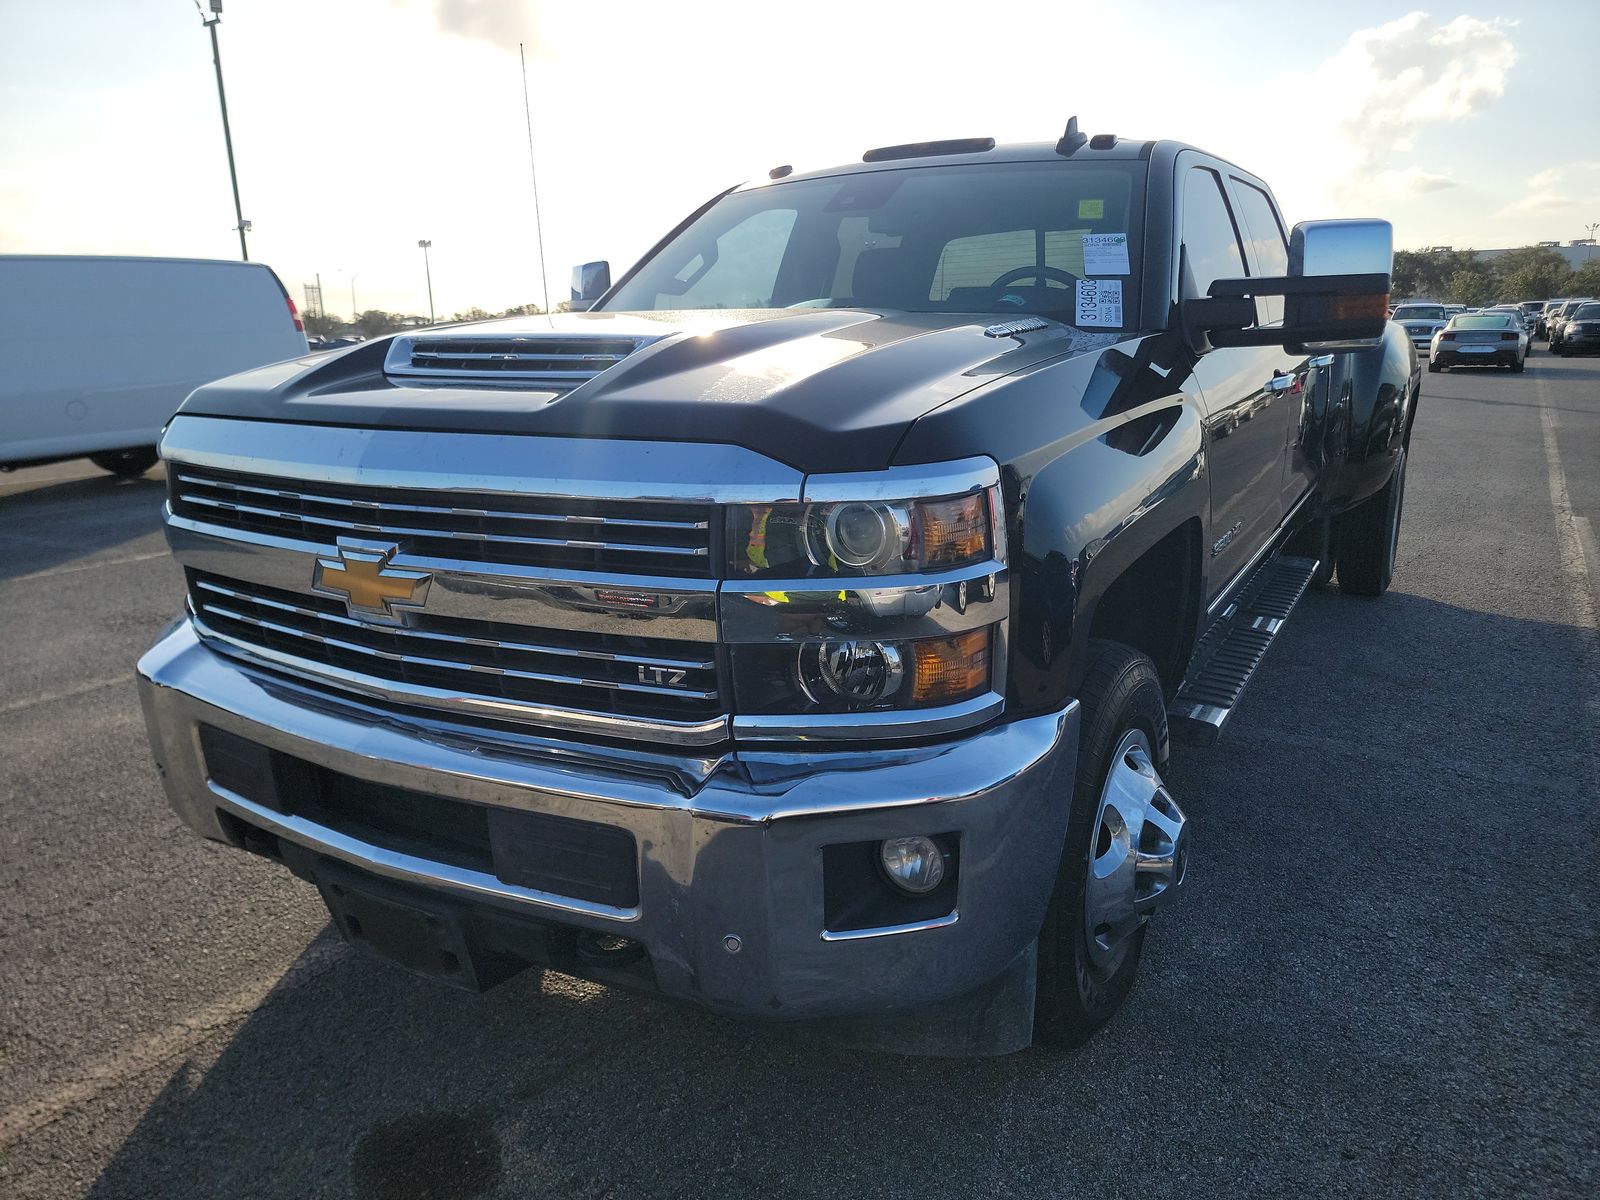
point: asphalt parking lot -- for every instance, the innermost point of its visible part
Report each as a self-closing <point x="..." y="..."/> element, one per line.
<point x="1384" y="982"/>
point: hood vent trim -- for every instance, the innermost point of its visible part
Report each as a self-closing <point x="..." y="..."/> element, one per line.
<point x="561" y="360"/>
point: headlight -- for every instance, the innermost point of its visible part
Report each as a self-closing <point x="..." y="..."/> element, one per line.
<point x="860" y="537"/>
<point x="844" y="675"/>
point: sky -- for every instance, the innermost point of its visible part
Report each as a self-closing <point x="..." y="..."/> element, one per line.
<point x="362" y="126"/>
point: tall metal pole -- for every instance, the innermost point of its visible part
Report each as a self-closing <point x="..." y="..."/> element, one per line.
<point x="426" y="245"/>
<point x="353" y="309"/>
<point x="227" y="133"/>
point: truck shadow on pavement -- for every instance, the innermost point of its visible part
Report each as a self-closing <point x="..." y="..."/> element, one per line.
<point x="1361" y="977"/>
<point x="54" y="524"/>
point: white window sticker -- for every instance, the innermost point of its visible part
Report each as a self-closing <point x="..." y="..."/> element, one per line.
<point x="1099" y="302"/>
<point x="1105" y="253"/>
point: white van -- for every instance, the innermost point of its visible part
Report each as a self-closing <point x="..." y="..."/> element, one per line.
<point x="97" y="353"/>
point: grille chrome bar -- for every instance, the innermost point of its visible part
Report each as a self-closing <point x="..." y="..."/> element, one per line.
<point x="682" y="664"/>
<point x="707" y="732"/>
<point x="611" y="536"/>
<point x="452" y="510"/>
<point x="451" y="664"/>
<point x="601" y="683"/>
<point x="458" y="534"/>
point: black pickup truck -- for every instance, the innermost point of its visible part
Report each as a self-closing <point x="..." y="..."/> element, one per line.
<point x="795" y="629"/>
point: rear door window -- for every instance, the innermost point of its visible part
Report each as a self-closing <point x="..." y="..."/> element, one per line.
<point x="1269" y="250"/>
<point x="1210" y="241"/>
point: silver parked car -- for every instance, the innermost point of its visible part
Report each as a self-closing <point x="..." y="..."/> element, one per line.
<point x="1484" y="339"/>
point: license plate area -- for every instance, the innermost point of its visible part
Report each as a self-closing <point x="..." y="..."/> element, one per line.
<point x="412" y="930"/>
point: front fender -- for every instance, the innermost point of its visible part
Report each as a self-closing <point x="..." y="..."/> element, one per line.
<point x="1102" y="455"/>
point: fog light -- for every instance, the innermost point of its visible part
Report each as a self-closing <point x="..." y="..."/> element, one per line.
<point x="849" y="673"/>
<point x="912" y="863"/>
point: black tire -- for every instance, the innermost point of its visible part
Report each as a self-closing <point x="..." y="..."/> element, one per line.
<point x="1433" y="366"/>
<point x="127" y="463"/>
<point x="1369" y="535"/>
<point x="1122" y="691"/>
<point x="1519" y="366"/>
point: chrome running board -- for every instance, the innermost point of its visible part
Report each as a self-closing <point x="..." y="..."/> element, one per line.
<point x="1227" y="657"/>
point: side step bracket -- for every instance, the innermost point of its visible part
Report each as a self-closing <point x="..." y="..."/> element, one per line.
<point x="1229" y="654"/>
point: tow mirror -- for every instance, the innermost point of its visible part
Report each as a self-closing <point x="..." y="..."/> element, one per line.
<point x="590" y="281"/>
<point x="1336" y="295"/>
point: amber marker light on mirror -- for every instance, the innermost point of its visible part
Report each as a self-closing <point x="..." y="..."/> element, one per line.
<point x="1358" y="308"/>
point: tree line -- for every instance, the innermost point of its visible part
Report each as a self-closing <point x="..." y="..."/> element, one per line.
<point x="1459" y="277"/>
<point x="375" y="321"/>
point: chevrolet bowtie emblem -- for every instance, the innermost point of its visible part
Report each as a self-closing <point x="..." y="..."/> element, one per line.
<point x="371" y="589"/>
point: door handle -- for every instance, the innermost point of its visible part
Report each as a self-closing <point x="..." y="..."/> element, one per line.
<point x="1322" y="360"/>
<point x="1280" y="382"/>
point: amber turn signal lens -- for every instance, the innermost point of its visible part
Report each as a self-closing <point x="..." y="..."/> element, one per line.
<point x="954" y="531"/>
<point x="950" y="669"/>
<point x="1356" y="308"/>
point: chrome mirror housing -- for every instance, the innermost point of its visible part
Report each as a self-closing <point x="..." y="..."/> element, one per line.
<point x="1356" y="247"/>
<point x="1336" y="294"/>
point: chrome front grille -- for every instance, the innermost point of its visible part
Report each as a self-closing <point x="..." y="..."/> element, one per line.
<point x="616" y="536"/>
<point x="492" y="668"/>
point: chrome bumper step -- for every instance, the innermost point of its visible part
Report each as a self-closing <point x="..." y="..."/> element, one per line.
<point x="1228" y="656"/>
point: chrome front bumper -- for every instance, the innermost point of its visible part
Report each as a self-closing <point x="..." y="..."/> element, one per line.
<point x="736" y="854"/>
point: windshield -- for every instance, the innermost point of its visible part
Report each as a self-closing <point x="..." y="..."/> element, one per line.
<point x="1486" y="321"/>
<point x="993" y="238"/>
<point x="1419" y="312"/>
<point x="1587" y="312"/>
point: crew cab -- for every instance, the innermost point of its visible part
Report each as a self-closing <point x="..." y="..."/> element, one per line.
<point x="799" y="631"/>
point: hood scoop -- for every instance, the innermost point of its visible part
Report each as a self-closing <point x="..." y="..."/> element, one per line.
<point x="556" y="360"/>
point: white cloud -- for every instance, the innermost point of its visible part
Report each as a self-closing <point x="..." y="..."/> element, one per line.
<point x="1409" y="181"/>
<point x="1415" y="71"/>
<point x="1387" y="85"/>
<point x="1556" y="188"/>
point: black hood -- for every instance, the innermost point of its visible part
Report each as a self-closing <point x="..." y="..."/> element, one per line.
<point x="818" y="389"/>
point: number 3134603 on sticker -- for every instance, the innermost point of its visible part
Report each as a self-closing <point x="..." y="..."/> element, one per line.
<point x="1099" y="302"/>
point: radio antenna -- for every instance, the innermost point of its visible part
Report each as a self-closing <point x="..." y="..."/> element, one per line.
<point x="533" y="170"/>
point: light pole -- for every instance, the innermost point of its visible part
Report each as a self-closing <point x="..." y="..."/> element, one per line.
<point x="243" y="226"/>
<point x="426" y="245"/>
<point x="354" y="311"/>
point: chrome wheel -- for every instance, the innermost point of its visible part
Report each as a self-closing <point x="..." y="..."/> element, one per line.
<point x="1138" y="851"/>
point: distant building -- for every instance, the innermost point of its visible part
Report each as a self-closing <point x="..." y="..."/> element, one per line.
<point x="1576" y="252"/>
